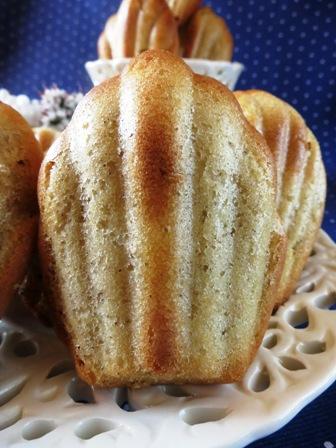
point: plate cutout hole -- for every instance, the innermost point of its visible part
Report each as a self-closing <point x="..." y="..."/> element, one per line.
<point x="174" y="391"/>
<point x="125" y="406"/>
<point x="298" y="318"/>
<point x="121" y="398"/>
<point x="23" y="349"/>
<point x="60" y="368"/>
<point x="196" y="416"/>
<point x="270" y="341"/>
<point x="80" y="392"/>
<point x="38" y="428"/>
<point x="260" y="380"/>
<point x="90" y="428"/>
<point x="327" y="302"/>
<point x="312" y="347"/>
<point x="291" y="363"/>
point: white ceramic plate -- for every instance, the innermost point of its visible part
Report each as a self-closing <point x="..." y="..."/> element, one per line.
<point x="44" y="404"/>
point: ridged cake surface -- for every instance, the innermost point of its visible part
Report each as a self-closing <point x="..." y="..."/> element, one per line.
<point x="20" y="159"/>
<point x="159" y="236"/>
<point x="140" y="25"/>
<point x="183" y="9"/>
<point x="301" y="179"/>
<point x="207" y="36"/>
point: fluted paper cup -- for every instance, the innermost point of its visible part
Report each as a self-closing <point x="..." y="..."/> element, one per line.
<point x="225" y="72"/>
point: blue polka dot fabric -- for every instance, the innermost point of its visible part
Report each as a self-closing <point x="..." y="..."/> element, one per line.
<point x="288" y="48"/>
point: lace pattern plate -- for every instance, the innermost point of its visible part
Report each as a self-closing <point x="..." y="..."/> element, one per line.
<point x="44" y="404"/>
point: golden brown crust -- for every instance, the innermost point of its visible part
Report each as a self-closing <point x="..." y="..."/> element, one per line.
<point x="206" y="36"/>
<point x="139" y="202"/>
<point x="31" y="289"/>
<point x="301" y="182"/>
<point x="183" y="9"/>
<point x="141" y="25"/>
<point x="20" y="158"/>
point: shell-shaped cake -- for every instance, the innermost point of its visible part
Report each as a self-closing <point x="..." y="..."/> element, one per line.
<point x="183" y="9"/>
<point x="141" y="25"/>
<point x="20" y="159"/>
<point x="301" y="179"/>
<point x="160" y="240"/>
<point x="206" y="36"/>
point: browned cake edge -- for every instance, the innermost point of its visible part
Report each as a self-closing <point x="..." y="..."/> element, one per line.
<point x="312" y="229"/>
<point x="53" y="290"/>
<point x="20" y="237"/>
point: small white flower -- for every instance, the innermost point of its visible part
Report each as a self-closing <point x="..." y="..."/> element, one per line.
<point x="58" y="107"/>
<point x="54" y="109"/>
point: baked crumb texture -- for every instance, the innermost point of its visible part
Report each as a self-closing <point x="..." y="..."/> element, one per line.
<point x="20" y="158"/>
<point x="161" y="244"/>
<point x="180" y="26"/>
<point x="301" y="178"/>
<point x="139" y="25"/>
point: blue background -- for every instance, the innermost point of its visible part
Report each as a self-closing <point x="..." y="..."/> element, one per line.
<point x="288" y="48"/>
